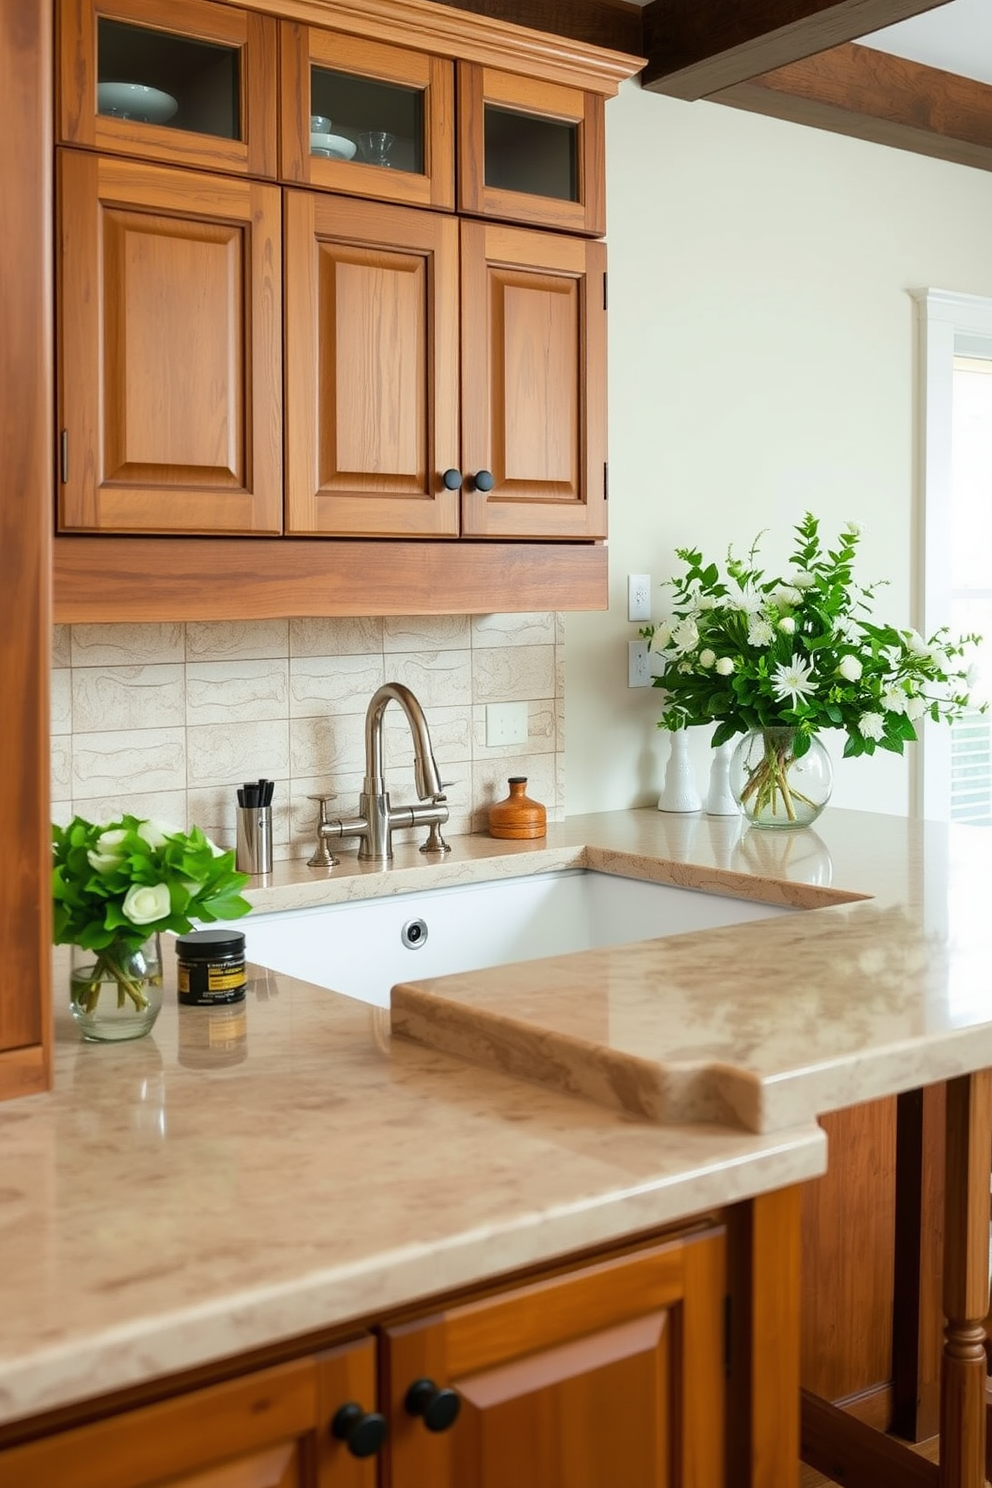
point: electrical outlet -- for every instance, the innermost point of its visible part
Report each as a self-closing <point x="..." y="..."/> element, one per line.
<point x="506" y="723"/>
<point x="638" y="596"/>
<point x="638" y="668"/>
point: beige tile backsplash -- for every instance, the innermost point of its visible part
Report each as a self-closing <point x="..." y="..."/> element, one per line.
<point x="166" y="720"/>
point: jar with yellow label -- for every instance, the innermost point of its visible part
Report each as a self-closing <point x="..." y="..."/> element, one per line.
<point x="210" y="967"/>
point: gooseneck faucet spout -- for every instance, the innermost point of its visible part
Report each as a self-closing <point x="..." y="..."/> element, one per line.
<point x="424" y="766"/>
<point x="376" y="819"/>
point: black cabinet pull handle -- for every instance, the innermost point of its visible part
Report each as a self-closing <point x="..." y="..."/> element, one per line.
<point x="452" y="480"/>
<point x="484" y="480"/>
<point x="438" y="1407"/>
<point x="363" y="1432"/>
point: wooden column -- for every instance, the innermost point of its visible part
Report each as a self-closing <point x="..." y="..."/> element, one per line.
<point x="966" y="1280"/>
<point x="763" y="1399"/>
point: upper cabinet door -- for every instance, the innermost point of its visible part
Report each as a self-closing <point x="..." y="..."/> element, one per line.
<point x="533" y="384"/>
<point x="184" y="80"/>
<point x="371" y="368"/>
<point x="367" y="118"/>
<point x="170" y="375"/>
<point x="530" y="151"/>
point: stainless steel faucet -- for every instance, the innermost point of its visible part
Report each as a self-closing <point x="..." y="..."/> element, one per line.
<point x="376" y="819"/>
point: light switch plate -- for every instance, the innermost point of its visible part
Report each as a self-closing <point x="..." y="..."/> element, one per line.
<point x="506" y="723"/>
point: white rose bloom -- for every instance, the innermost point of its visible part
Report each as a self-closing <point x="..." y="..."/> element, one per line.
<point x="725" y="666"/>
<point x="105" y="856"/>
<point x="850" y="668"/>
<point x="146" y="903"/>
<point x="787" y="595"/>
<point x="154" y="832"/>
<point x="894" y="700"/>
<point x="787" y="625"/>
<point x="800" y="579"/>
<point x="915" y="643"/>
<point x="707" y="657"/>
<point x="915" y="708"/>
<point x="871" y="725"/>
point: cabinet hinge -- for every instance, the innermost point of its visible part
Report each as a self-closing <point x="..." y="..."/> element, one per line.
<point x="64" y="457"/>
<point x="606" y="290"/>
<point x="606" y="480"/>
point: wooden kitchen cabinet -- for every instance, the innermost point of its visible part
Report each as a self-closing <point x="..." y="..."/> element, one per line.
<point x="530" y="151"/>
<point x="202" y="80"/>
<point x="609" y="1374"/>
<point x="170" y="326"/>
<point x="270" y="1429"/>
<point x="602" y="1373"/>
<point x="516" y="449"/>
<point x="365" y="88"/>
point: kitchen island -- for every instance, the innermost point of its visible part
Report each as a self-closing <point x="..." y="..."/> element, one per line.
<point x="221" y="1188"/>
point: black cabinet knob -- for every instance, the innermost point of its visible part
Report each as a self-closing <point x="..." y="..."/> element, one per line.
<point x="484" y="480"/>
<point x="452" y="480"/>
<point x="439" y="1408"/>
<point x="363" y="1432"/>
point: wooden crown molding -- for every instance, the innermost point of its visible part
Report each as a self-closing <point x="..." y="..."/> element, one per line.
<point x="506" y="39"/>
<point x="872" y="95"/>
<point x="605" y="23"/>
<point x="696" y="48"/>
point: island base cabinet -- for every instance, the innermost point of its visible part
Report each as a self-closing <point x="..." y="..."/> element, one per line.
<point x="271" y="1429"/>
<point x="610" y="1375"/>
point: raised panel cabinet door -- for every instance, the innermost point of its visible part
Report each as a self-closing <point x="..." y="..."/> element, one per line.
<point x="170" y="378"/>
<point x="371" y="368"/>
<point x="608" y="1375"/>
<point x="208" y="73"/>
<point x="533" y="384"/>
<point x="271" y="1429"/>
<point x="530" y="151"/>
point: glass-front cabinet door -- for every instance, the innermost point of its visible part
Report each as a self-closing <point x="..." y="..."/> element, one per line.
<point x="366" y="118"/>
<point x="185" y="81"/>
<point x="530" y="151"/>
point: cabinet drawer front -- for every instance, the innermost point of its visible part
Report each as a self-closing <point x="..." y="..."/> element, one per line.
<point x="170" y="379"/>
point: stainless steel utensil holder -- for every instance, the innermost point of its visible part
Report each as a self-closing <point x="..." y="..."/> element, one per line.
<point x="253" y="852"/>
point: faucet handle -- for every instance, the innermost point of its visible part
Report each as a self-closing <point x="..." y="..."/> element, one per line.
<point x="435" y="842"/>
<point x="322" y="855"/>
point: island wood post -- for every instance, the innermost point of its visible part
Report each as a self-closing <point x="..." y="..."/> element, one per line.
<point x="966" y="1280"/>
<point x="763" y="1394"/>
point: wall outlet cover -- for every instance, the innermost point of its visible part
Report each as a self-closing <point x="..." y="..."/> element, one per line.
<point x="506" y="723"/>
<point x="638" y="664"/>
<point x="638" y="596"/>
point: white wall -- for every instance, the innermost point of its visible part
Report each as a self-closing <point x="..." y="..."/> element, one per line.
<point x="762" y="363"/>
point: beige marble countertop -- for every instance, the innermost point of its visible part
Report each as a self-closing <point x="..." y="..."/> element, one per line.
<point x="763" y="1025"/>
<point x="186" y="1197"/>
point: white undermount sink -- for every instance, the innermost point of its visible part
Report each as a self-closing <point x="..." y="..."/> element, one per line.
<point x="364" y="947"/>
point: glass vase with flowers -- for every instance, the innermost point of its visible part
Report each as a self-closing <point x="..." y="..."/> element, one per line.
<point x="115" y="887"/>
<point x="777" y="660"/>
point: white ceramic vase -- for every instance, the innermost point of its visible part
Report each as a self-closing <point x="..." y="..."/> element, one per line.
<point x="720" y="798"/>
<point x="679" y="793"/>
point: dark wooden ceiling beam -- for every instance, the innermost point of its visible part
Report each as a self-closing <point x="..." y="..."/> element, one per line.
<point x="606" y="23"/>
<point x="699" y="47"/>
<point x="860" y="91"/>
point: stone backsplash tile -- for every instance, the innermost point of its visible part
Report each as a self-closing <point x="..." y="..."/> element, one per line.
<point x="167" y="720"/>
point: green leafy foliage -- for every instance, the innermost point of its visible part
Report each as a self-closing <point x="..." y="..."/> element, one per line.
<point x="747" y="651"/>
<point x="119" y="882"/>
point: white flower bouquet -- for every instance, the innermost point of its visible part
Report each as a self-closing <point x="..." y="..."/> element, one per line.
<point x="115" y="885"/>
<point x="750" y="652"/>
